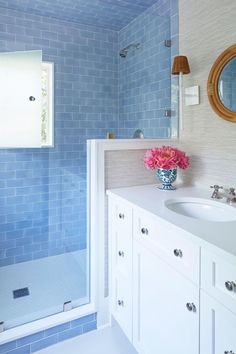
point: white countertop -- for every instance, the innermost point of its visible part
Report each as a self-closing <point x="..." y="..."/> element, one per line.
<point x="151" y="199"/>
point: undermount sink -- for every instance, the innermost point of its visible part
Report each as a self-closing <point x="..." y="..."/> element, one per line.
<point x="202" y="209"/>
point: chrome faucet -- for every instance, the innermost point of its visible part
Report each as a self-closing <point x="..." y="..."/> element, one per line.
<point x="231" y="196"/>
<point x="216" y="193"/>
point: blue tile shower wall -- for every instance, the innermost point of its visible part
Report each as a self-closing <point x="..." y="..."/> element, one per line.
<point x="144" y="75"/>
<point x="43" y="191"/>
<point x="43" y="339"/>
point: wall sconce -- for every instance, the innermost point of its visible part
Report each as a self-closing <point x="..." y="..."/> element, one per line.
<point x="180" y="67"/>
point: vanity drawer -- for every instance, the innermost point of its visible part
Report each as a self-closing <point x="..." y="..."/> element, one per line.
<point x="122" y="303"/>
<point x="122" y="252"/>
<point x="218" y="278"/>
<point x="122" y="215"/>
<point x="121" y="237"/>
<point x="169" y="244"/>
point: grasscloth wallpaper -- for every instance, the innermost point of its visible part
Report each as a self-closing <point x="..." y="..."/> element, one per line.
<point x="206" y="28"/>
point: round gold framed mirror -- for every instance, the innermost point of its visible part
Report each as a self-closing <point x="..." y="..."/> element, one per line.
<point x="221" y="86"/>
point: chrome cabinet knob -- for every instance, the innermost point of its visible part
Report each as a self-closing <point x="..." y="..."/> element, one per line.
<point x="31" y="98"/>
<point x="121" y="254"/>
<point x="144" y="231"/>
<point x="178" y="253"/>
<point x="120" y="303"/>
<point x="230" y="285"/>
<point x="191" y="307"/>
<point x="121" y="216"/>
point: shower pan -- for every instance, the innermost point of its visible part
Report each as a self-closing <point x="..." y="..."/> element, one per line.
<point x="40" y="288"/>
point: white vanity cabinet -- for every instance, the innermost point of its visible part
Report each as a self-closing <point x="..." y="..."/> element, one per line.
<point x="150" y="299"/>
<point x="171" y="291"/>
<point x="165" y="306"/>
<point x="166" y="298"/>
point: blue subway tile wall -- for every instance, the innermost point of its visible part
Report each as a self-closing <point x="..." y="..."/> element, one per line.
<point x="43" y="191"/>
<point x="110" y="14"/>
<point x="145" y="75"/>
<point x="43" y="339"/>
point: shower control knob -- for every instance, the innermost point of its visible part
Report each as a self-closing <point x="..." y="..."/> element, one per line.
<point x="31" y="98"/>
<point x="230" y="285"/>
<point x="178" y="253"/>
<point x="191" y="307"/>
<point x="121" y="254"/>
<point x="144" y="231"/>
<point x="121" y="216"/>
<point x="228" y="352"/>
<point x="120" y="303"/>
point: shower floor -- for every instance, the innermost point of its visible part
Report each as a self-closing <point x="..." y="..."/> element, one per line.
<point x="50" y="281"/>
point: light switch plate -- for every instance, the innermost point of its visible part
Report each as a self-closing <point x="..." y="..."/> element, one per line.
<point x="192" y="95"/>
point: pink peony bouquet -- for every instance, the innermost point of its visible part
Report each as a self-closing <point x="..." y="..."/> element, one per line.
<point x="166" y="157"/>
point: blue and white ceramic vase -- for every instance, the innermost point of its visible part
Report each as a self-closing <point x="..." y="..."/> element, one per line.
<point x="167" y="177"/>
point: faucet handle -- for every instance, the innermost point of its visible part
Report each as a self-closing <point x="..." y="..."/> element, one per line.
<point x="216" y="194"/>
<point x="216" y="187"/>
<point x="231" y="196"/>
<point x="232" y="191"/>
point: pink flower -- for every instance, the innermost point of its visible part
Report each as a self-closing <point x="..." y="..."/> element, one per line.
<point x="183" y="160"/>
<point x="166" y="157"/>
<point x="150" y="159"/>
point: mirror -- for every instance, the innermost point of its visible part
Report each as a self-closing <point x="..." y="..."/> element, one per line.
<point x="222" y="85"/>
<point x="227" y="85"/>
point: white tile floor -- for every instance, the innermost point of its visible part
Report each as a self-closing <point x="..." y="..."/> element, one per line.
<point x="106" y="341"/>
<point x="51" y="282"/>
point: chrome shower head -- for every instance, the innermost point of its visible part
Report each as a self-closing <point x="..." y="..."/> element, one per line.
<point x="124" y="52"/>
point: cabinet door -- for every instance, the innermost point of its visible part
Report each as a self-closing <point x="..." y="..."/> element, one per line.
<point x="20" y="99"/>
<point x="218" y="327"/>
<point x="166" y="307"/>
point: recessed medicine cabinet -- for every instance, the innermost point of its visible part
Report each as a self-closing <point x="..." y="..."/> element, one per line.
<point x="26" y="100"/>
